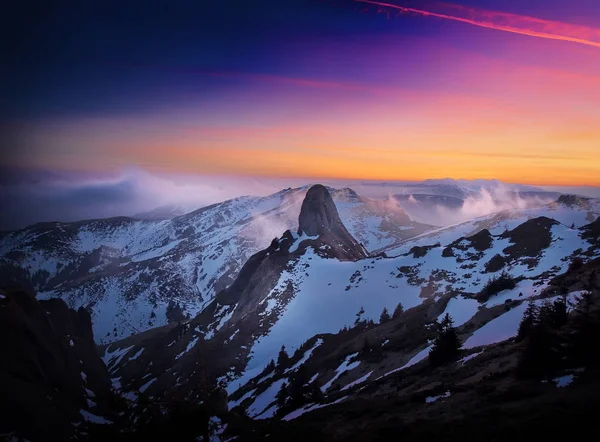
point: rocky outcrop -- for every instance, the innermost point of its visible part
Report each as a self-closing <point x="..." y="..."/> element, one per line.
<point x="319" y="217"/>
<point x="530" y="238"/>
<point x="320" y="227"/>
<point x="573" y="201"/>
<point x="49" y="368"/>
<point x="318" y="214"/>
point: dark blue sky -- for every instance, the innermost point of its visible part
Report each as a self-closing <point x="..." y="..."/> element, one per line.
<point x="90" y="56"/>
<point x="192" y="84"/>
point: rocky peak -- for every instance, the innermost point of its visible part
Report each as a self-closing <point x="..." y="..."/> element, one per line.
<point x="319" y="217"/>
<point x="318" y="214"/>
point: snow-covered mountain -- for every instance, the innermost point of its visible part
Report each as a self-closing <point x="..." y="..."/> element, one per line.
<point x="136" y="274"/>
<point x="314" y="294"/>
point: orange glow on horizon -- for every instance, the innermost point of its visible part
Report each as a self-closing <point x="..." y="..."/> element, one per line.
<point x="482" y="117"/>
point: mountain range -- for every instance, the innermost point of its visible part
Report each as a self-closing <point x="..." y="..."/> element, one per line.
<point x="231" y="304"/>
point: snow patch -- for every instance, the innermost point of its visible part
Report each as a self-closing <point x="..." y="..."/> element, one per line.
<point x="307" y="408"/>
<point x="358" y="381"/>
<point x="190" y="345"/>
<point x="306" y="355"/>
<point x="564" y="381"/>
<point x="460" y="309"/>
<point x="430" y="399"/>
<point x="346" y="365"/>
<point x="92" y="418"/>
<point x="469" y="357"/>
<point x="144" y="387"/>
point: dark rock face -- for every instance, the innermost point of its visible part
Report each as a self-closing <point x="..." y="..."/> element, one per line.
<point x="573" y="200"/>
<point x="49" y="368"/>
<point x="318" y="214"/>
<point x="319" y="217"/>
<point x="591" y="232"/>
<point x="529" y="238"/>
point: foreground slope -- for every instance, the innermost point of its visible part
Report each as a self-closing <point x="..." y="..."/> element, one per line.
<point x="52" y="380"/>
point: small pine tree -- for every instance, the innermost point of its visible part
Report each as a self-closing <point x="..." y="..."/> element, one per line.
<point x="583" y="303"/>
<point x="283" y="360"/>
<point x="298" y="390"/>
<point x="446" y="346"/>
<point x="546" y="314"/>
<point x="544" y="352"/>
<point x="541" y="356"/>
<point x="560" y="313"/>
<point x="586" y="333"/>
<point x="385" y="316"/>
<point x="529" y="321"/>
<point x="358" y="319"/>
<point x="282" y="396"/>
<point x="398" y="311"/>
<point x="315" y="394"/>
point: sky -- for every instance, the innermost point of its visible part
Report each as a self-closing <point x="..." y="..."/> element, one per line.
<point x="315" y="89"/>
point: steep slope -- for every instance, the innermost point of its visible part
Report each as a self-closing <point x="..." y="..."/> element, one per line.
<point x="137" y="274"/>
<point x="297" y="296"/>
<point x="52" y="380"/>
<point x="241" y="305"/>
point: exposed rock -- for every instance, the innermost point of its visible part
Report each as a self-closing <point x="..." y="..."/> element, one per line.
<point x="319" y="217"/>
<point x="421" y="251"/>
<point x="49" y="368"/>
<point x="529" y="238"/>
<point x="591" y="232"/>
<point x="573" y="200"/>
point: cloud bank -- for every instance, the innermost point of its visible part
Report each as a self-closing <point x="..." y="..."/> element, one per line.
<point x="66" y="197"/>
<point x="28" y="198"/>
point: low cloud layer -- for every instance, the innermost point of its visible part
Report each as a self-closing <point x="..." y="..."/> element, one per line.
<point x="444" y="211"/>
<point x="27" y="198"/>
<point x="71" y="198"/>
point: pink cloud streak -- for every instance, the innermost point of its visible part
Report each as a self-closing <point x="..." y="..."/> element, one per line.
<point x="503" y="21"/>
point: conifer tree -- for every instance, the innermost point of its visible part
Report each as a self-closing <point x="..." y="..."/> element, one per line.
<point x="385" y="316"/>
<point x="358" y="319"/>
<point x="298" y="390"/>
<point x="560" y="313"/>
<point x="586" y="332"/>
<point x="283" y="360"/>
<point x="315" y="394"/>
<point x="282" y="396"/>
<point x="446" y="346"/>
<point x="529" y="321"/>
<point x="399" y="310"/>
<point x="543" y="353"/>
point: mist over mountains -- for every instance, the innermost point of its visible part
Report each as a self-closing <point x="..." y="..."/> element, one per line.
<point x="31" y="196"/>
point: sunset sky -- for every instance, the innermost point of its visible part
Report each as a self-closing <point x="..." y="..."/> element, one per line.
<point x="396" y="90"/>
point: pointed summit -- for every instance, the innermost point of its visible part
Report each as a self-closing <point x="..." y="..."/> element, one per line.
<point x="318" y="214"/>
<point x="319" y="217"/>
<point x="320" y="228"/>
